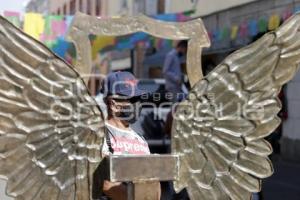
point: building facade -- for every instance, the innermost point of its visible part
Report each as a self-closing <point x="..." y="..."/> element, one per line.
<point x="38" y="6"/>
<point x="69" y="7"/>
<point x="97" y="7"/>
<point x="66" y="7"/>
<point x="202" y="7"/>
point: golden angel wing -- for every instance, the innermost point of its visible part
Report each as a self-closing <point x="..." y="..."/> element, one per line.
<point x="50" y="128"/>
<point x="219" y="130"/>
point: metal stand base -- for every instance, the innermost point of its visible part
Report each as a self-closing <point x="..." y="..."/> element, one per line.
<point x="149" y="190"/>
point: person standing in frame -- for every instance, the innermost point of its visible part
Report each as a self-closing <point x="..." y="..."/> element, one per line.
<point x="121" y="96"/>
<point x="172" y="70"/>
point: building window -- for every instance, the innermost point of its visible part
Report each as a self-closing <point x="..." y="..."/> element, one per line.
<point x="72" y="7"/>
<point x="80" y="6"/>
<point x="161" y="6"/>
<point x="98" y="7"/>
<point x="65" y="9"/>
<point x="89" y="8"/>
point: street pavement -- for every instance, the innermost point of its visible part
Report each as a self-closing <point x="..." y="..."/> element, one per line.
<point x="285" y="183"/>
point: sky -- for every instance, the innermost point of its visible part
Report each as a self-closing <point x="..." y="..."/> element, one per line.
<point x="12" y="5"/>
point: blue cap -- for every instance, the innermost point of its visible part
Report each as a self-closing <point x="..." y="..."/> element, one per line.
<point x="121" y="84"/>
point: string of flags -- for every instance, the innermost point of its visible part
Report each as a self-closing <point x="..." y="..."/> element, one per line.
<point x="251" y="27"/>
<point x="51" y="30"/>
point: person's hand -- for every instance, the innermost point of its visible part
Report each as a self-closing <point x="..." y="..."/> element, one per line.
<point x="115" y="191"/>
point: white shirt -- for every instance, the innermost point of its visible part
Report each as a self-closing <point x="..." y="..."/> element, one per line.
<point x="124" y="142"/>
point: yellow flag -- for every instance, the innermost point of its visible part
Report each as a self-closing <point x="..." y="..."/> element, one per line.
<point x="100" y="42"/>
<point x="274" y="22"/>
<point x="234" y="32"/>
<point x="34" y="24"/>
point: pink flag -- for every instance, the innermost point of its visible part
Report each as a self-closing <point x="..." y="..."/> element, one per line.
<point x="13" y="17"/>
<point x="11" y="14"/>
<point x="182" y="18"/>
<point x="44" y="37"/>
<point x="244" y="30"/>
<point x="287" y="14"/>
<point x="59" y="28"/>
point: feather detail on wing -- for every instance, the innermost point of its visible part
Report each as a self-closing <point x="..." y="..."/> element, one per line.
<point x="50" y="128"/>
<point x="219" y="130"/>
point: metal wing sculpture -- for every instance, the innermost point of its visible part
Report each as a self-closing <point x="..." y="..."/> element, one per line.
<point x="50" y="127"/>
<point x="219" y="130"/>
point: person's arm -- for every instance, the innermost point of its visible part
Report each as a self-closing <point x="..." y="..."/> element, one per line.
<point x="118" y="191"/>
<point x="168" y="71"/>
<point x="115" y="191"/>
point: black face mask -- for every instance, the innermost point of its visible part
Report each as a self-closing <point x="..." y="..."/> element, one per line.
<point x="131" y="114"/>
<point x="179" y="54"/>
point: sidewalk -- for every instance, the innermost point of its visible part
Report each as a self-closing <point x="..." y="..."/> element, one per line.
<point x="285" y="182"/>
